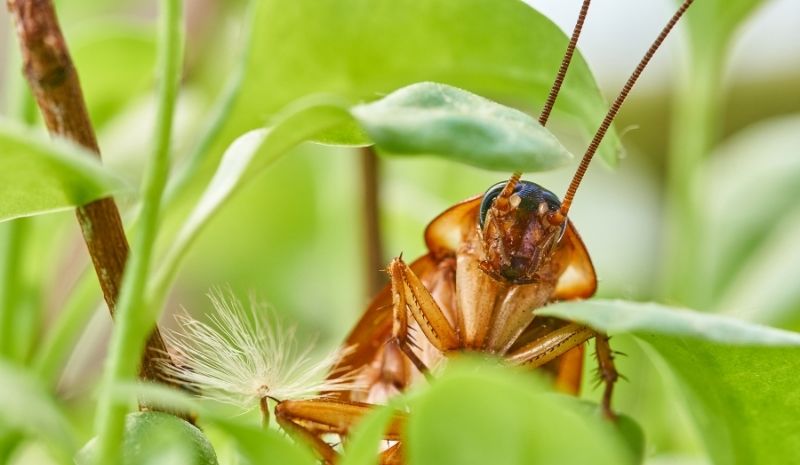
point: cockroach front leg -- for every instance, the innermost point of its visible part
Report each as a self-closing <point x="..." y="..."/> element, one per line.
<point x="310" y="419"/>
<point x="410" y="295"/>
<point x="558" y="342"/>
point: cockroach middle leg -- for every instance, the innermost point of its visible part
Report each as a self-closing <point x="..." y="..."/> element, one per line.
<point x="308" y="420"/>
<point x="410" y="295"/>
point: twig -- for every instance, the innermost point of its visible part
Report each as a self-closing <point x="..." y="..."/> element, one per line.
<point x="54" y="81"/>
<point x="370" y="173"/>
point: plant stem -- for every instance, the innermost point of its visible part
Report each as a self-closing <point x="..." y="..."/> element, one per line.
<point x="11" y="241"/>
<point x="219" y="116"/>
<point x="78" y="307"/>
<point x="370" y="175"/>
<point x="54" y="81"/>
<point x="694" y="130"/>
<point x="74" y="315"/>
<point x="134" y="321"/>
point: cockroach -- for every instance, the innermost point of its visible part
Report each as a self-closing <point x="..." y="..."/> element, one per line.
<point x="492" y="260"/>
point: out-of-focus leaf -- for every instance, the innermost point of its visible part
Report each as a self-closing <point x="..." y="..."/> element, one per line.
<point x="490" y="415"/>
<point x="38" y="175"/>
<point x="627" y="428"/>
<point x="765" y="290"/>
<point x="751" y="188"/>
<point x="364" y="441"/>
<point x="115" y="62"/>
<point x="262" y="446"/>
<point x="243" y="160"/>
<point x="258" y="445"/>
<point x="740" y="378"/>
<point x="156" y="438"/>
<point x="442" y="120"/>
<point x="714" y="21"/>
<point x="26" y="407"/>
<point x="633" y="435"/>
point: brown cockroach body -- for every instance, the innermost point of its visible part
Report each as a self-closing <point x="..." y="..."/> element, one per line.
<point x="475" y="290"/>
<point x="493" y="259"/>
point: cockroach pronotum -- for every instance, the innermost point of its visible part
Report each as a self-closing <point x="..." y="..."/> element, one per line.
<point x="492" y="260"/>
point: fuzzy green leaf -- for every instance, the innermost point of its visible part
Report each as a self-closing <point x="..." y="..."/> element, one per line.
<point x="740" y="378"/>
<point x="458" y="125"/>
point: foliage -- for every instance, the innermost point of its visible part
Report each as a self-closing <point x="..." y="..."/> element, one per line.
<point x="236" y="194"/>
<point x="157" y="437"/>
<point x="39" y="176"/>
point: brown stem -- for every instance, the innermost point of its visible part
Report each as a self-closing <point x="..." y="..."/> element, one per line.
<point x="370" y="172"/>
<point x="263" y="405"/>
<point x="54" y="81"/>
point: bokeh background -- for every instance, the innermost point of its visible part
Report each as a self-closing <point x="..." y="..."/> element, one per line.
<point x="296" y="237"/>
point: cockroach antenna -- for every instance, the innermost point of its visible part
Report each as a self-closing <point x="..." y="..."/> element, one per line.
<point x="562" y="72"/>
<point x="612" y="112"/>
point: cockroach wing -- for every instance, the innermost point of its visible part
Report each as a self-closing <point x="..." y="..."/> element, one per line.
<point x="447" y="231"/>
<point x="374" y="327"/>
<point x="579" y="280"/>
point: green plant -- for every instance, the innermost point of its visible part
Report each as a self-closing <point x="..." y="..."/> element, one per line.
<point x="227" y="197"/>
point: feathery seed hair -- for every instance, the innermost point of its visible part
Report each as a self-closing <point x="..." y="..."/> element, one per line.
<point x="243" y="355"/>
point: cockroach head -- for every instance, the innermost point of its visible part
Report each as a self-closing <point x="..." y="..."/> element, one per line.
<point x="520" y="226"/>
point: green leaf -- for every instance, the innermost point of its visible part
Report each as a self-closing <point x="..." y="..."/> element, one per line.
<point x="243" y="160"/>
<point x="740" y="378"/>
<point x="754" y="230"/>
<point x="258" y="445"/>
<point x="115" y="61"/>
<point x="38" y="175"/>
<point x="442" y="120"/>
<point x="481" y="415"/>
<point x="363" y="49"/>
<point x="363" y="443"/>
<point x="765" y="289"/>
<point x="626" y="427"/>
<point x="157" y="438"/>
<point x="265" y="446"/>
<point x="26" y="407"/>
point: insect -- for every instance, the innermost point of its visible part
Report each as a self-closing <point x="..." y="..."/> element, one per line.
<point x="492" y="259"/>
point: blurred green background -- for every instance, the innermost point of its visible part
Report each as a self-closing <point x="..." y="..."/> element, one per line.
<point x="296" y="238"/>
